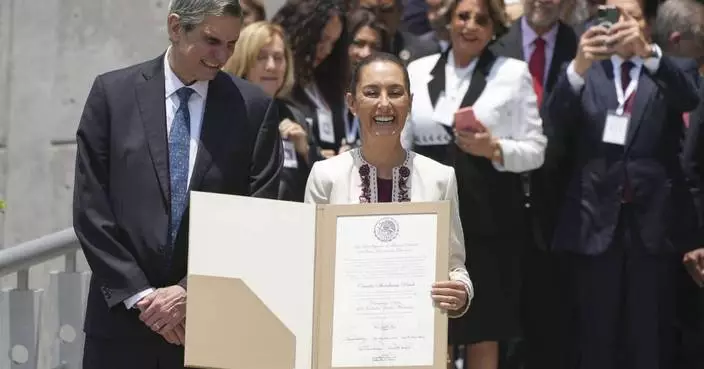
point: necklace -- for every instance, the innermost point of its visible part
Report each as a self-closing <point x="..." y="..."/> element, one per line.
<point x="368" y="175"/>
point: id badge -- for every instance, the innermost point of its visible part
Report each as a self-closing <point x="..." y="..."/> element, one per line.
<point x="326" y="130"/>
<point x="444" y="112"/>
<point x="616" y="128"/>
<point x="290" y="158"/>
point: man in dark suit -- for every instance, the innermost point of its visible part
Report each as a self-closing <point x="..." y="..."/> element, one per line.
<point x="414" y="18"/>
<point x="405" y="45"/>
<point x="628" y="215"/>
<point x="149" y="134"/>
<point x="439" y="23"/>
<point x="547" y="45"/>
<point x="678" y="29"/>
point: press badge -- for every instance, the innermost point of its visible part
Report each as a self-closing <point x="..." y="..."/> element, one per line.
<point x="290" y="158"/>
<point x="326" y="130"/>
<point x="444" y="112"/>
<point x="616" y="128"/>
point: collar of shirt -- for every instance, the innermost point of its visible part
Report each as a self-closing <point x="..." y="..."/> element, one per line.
<point x="173" y="83"/>
<point x="529" y="36"/>
<point x="457" y="79"/>
<point x="460" y="72"/>
<point x="617" y="61"/>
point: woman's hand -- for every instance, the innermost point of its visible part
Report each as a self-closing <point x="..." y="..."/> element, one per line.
<point x="293" y="132"/>
<point x="480" y="143"/>
<point x="450" y="295"/>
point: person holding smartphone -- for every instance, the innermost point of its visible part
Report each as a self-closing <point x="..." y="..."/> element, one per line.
<point x="628" y="216"/>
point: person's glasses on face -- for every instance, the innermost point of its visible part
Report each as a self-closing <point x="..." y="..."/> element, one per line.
<point x="482" y="20"/>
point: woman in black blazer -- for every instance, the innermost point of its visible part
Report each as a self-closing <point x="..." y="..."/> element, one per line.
<point x="316" y="33"/>
<point x="262" y="57"/>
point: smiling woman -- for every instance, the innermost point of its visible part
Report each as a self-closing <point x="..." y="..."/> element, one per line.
<point x="382" y="171"/>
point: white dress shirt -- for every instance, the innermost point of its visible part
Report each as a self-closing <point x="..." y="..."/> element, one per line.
<point x="528" y="41"/>
<point x="196" y="108"/>
<point x="651" y="64"/>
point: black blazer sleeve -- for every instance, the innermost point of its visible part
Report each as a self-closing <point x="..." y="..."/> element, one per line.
<point x="267" y="156"/>
<point x="100" y="237"/>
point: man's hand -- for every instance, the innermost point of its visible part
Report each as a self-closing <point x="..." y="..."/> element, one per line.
<point x="595" y="44"/>
<point x="177" y="336"/>
<point x="628" y="31"/>
<point x="694" y="262"/>
<point x="164" y="309"/>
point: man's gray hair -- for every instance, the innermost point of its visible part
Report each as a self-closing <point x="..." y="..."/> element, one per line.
<point x="193" y="12"/>
<point x="683" y="16"/>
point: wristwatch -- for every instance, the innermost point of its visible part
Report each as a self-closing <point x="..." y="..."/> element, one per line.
<point x="654" y="52"/>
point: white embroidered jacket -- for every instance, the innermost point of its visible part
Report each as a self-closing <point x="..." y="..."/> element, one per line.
<point x="337" y="181"/>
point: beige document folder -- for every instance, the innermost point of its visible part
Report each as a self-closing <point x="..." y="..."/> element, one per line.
<point x="261" y="281"/>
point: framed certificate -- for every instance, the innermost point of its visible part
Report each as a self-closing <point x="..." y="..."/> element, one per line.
<point x="375" y="266"/>
<point x="285" y="285"/>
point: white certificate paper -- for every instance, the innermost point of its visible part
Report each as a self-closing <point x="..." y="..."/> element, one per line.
<point x="383" y="314"/>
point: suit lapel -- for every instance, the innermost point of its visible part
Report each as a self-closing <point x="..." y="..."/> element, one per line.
<point x="607" y="91"/>
<point x="644" y="93"/>
<point x="478" y="83"/>
<point x="512" y="45"/>
<point x="150" y="95"/>
<point x="213" y="128"/>
<point x="437" y="83"/>
<point x="565" y="49"/>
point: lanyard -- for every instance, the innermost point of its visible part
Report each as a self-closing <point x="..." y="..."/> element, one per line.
<point x="316" y="97"/>
<point x="351" y="130"/>
<point x="622" y="95"/>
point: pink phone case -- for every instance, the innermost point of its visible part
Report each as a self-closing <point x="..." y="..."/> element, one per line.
<point x="466" y="121"/>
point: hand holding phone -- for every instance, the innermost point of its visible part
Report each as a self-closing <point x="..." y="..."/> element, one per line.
<point x="608" y="15"/>
<point x="465" y="120"/>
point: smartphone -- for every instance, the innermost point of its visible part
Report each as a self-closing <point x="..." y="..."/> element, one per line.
<point x="465" y="120"/>
<point x="607" y="15"/>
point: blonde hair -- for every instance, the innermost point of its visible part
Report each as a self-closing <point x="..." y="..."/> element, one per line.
<point x="252" y="39"/>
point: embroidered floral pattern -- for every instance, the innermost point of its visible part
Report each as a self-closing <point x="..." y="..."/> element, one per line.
<point x="368" y="176"/>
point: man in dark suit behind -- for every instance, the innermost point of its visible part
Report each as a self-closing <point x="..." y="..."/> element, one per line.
<point x="148" y="135"/>
<point x="547" y="45"/>
<point x="628" y="214"/>
<point x="678" y="29"/>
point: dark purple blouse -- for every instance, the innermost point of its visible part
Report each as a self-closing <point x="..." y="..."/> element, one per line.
<point x="384" y="189"/>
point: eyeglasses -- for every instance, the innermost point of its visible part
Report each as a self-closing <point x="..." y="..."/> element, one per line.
<point x="481" y="20"/>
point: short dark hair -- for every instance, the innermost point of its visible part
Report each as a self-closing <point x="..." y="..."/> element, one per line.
<point x="360" y="18"/>
<point x="377" y="57"/>
<point x="257" y="7"/>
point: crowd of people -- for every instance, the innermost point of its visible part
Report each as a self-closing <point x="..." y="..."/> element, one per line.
<point x="567" y="140"/>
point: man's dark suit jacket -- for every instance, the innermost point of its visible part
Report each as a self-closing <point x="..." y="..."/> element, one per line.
<point x="410" y="47"/>
<point x="693" y="156"/>
<point x="415" y="17"/>
<point x="122" y="186"/>
<point x="551" y="178"/>
<point x="663" y="206"/>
